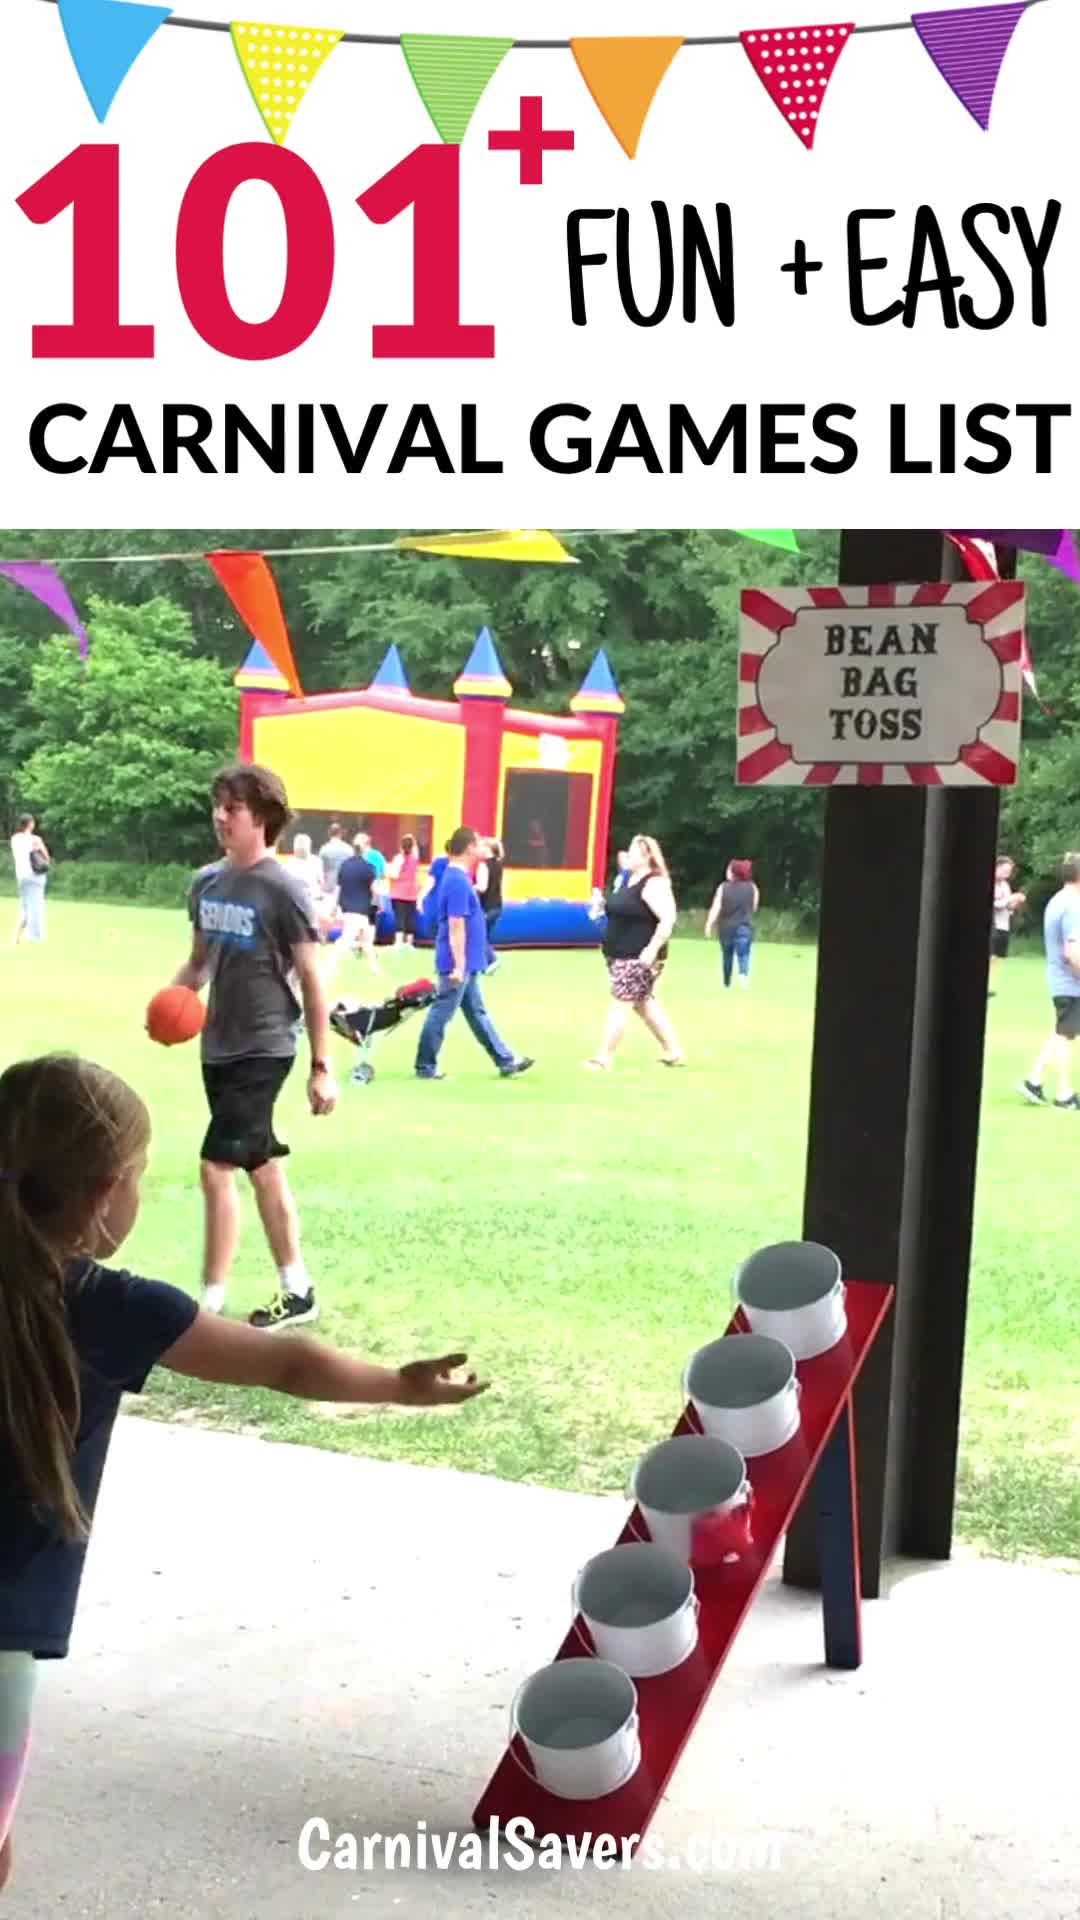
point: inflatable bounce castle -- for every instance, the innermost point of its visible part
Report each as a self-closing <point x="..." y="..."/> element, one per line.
<point x="387" y="762"/>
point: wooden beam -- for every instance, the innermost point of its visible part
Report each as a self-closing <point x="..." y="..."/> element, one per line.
<point x="903" y="956"/>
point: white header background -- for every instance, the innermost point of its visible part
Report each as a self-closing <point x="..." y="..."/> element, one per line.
<point x="891" y="134"/>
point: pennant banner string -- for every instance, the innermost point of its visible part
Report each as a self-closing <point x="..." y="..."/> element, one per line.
<point x="413" y="542"/>
<point x="538" y="46"/>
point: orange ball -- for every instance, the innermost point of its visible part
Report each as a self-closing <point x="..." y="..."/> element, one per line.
<point x="174" y="1015"/>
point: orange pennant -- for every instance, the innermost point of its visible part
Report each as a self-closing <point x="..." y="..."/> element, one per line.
<point x="623" y="76"/>
<point x="250" y="585"/>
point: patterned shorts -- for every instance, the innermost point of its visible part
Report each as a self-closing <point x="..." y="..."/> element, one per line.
<point x="633" y="981"/>
<point x="17" y="1675"/>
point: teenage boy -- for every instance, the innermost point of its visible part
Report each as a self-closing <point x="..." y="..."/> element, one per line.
<point x="256" y="943"/>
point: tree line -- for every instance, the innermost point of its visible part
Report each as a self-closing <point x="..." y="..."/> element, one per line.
<point x="115" y="757"/>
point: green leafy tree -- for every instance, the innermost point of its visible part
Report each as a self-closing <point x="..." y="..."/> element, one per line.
<point x="127" y="744"/>
<point x="663" y="604"/>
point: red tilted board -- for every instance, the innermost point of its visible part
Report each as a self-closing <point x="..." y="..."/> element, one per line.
<point x="669" y="1704"/>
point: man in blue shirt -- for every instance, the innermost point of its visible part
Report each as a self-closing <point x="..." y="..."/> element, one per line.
<point x="1061" y="935"/>
<point x="460" y="959"/>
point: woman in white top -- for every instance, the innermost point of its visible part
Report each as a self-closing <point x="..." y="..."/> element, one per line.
<point x="31" y="857"/>
<point x="308" y="869"/>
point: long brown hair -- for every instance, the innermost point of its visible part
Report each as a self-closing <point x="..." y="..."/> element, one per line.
<point x="657" y="864"/>
<point x="67" y="1131"/>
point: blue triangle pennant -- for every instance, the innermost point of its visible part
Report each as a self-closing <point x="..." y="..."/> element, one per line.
<point x="105" y="38"/>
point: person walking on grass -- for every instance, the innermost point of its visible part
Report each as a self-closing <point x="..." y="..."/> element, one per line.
<point x="31" y="860"/>
<point x="404" y="886"/>
<point x="76" y="1334"/>
<point x="641" y="917"/>
<point x="1061" y="937"/>
<point x="1006" y="904"/>
<point x="332" y="853"/>
<point x="735" y="903"/>
<point x="256" y="942"/>
<point x="308" y="869"/>
<point x="357" y="903"/>
<point x="460" y="959"/>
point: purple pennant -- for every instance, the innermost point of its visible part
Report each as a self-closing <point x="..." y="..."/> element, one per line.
<point x="1066" y="559"/>
<point x="968" y="49"/>
<point x="46" y="585"/>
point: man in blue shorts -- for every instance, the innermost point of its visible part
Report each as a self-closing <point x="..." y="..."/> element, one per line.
<point x="1061" y="936"/>
<point x="460" y="959"/>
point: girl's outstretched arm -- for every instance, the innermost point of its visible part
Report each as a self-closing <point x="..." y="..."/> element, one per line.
<point x="237" y="1355"/>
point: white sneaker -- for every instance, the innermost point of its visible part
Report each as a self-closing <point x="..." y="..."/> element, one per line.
<point x="213" y="1297"/>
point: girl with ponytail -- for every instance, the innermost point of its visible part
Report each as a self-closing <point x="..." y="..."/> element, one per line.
<point x="75" y="1335"/>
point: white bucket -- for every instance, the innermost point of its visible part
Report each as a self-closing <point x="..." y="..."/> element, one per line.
<point x="795" y="1292"/>
<point x="694" y="1497"/>
<point x="745" y="1391"/>
<point x="640" y="1607"/>
<point x="578" y="1720"/>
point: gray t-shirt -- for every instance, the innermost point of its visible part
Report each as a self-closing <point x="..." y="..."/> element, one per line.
<point x="333" y="855"/>
<point x="250" y="919"/>
<point x="1061" y="923"/>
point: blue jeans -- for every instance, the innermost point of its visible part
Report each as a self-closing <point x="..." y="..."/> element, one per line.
<point x="736" y="947"/>
<point x="32" y="906"/>
<point x="452" y="995"/>
<point x="491" y="921"/>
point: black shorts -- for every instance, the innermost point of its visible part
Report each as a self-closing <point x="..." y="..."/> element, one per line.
<point x="405" y="916"/>
<point x="999" y="943"/>
<point x="241" y="1096"/>
<point x="1067" y="1009"/>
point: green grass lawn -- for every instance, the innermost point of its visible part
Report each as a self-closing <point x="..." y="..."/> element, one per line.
<point x="577" y="1232"/>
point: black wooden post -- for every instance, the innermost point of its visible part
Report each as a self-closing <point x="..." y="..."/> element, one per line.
<point x="903" y="961"/>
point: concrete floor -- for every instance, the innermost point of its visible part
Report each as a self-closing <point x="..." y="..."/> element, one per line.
<point x="269" y="1633"/>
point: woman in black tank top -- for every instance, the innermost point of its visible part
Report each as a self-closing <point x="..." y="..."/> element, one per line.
<point x="640" y="921"/>
<point x="735" y="903"/>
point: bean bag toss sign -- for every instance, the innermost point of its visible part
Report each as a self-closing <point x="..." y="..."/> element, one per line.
<point x="872" y="686"/>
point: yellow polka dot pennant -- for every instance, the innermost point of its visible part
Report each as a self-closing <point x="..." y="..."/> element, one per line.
<point x="279" y="65"/>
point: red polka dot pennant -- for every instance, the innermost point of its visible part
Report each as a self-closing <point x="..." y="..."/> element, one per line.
<point x="795" y="65"/>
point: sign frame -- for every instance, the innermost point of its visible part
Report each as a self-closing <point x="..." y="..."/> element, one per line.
<point x="768" y="753"/>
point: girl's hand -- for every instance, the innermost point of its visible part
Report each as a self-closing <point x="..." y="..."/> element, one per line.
<point x="427" y="1383"/>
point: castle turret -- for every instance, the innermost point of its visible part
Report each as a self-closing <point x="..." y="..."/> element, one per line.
<point x="391" y="677"/>
<point x="599" y="698"/>
<point x="482" y="691"/>
<point x="259" y="682"/>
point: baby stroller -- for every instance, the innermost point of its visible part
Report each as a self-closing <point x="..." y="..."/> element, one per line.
<point x="359" y="1024"/>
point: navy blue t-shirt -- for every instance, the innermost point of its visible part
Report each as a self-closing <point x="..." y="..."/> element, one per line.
<point x="356" y="877"/>
<point x="120" y="1326"/>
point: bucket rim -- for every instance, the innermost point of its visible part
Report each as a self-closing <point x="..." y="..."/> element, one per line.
<point x="814" y="1250"/>
<point x="765" y="1345"/>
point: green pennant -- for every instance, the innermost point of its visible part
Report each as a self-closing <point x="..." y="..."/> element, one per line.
<point x="451" y="72"/>
<point x="783" y="538"/>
